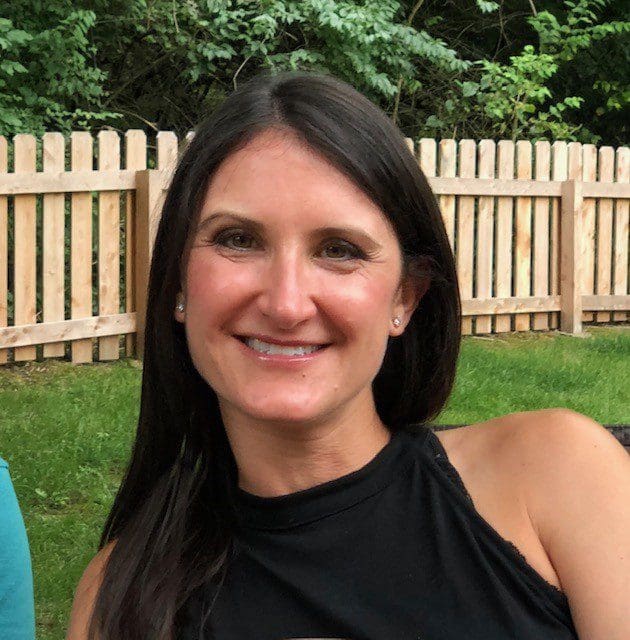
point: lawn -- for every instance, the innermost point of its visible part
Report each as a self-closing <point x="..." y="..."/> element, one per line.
<point x="66" y="431"/>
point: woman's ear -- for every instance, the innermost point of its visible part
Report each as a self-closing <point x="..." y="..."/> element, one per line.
<point x="413" y="287"/>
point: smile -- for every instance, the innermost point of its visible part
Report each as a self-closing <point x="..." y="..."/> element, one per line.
<point x="268" y="348"/>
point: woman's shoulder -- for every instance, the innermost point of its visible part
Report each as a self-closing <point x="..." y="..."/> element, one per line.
<point x="536" y="455"/>
<point x="556" y="483"/>
<point x="481" y="447"/>
<point x="85" y="594"/>
<point x="563" y="442"/>
<point x="576" y="479"/>
<point x="495" y="460"/>
<point x="545" y="437"/>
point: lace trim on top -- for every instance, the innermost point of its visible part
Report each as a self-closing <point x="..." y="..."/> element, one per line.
<point x="441" y="459"/>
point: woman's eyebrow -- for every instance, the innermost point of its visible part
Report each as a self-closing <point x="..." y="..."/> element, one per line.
<point x="229" y="214"/>
<point x="357" y="232"/>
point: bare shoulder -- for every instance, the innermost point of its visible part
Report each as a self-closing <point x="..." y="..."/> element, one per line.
<point x="484" y="456"/>
<point x="550" y="439"/>
<point x="573" y="479"/>
<point x="541" y="454"/>
<point x="559" y="449"/>
<point x="85" y="594"/>
<point x="480" y="447"/>
<point x="575" y="432"/>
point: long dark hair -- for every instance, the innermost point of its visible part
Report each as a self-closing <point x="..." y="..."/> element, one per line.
<point x="172" y="517"/>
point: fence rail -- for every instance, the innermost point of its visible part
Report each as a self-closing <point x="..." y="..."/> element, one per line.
<point x="539" y="233"/>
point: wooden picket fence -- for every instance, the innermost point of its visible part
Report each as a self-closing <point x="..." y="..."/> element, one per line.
<point x="79" y="234"/>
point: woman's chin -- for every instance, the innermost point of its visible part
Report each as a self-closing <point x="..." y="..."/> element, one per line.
<point x="283" y="412"/>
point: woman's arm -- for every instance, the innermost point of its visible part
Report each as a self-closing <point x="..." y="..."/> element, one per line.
<point x="17" y="616"/>
<point x="85" y="595"/>
<point x="578" y="498"/>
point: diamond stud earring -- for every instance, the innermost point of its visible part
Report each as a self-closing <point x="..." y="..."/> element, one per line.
<point x="180" y="306"/>
<point x="397" y="322"/>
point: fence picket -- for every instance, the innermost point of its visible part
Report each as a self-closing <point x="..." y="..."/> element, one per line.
<point x="135" y="158"/>
<point x="505" y="206"/>
<point x="485" y="228"/>
<point x="4" y="247"/>
<point x="465" y="227"/>
<point x="448" y="149"/>
<point x="81" y="144"/>
<point x="605" y="230"/>
<point x="108" y="243"/>
<point x="167" y="151"/>
<point x="25" y="265"/>
<point x="542" y="150"/>
<point x="622" y="232"/>
<point x="523" y="233"/>
<point x="589" y="174"/>
<point x="53" y="154"/>
<point x="575" y="161"/>
<point x="575" y="172"/>
<point x="427" y="150"/>
<point x="559" y="173"/>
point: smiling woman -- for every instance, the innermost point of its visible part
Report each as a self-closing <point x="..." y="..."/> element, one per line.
<point x="290" y="303"/>
<point x="303" y="329"/>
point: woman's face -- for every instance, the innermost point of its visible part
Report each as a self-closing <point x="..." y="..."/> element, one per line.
<point x="291" y="287"/>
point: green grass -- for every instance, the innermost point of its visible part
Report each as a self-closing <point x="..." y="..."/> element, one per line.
<point x="66" y="431"/>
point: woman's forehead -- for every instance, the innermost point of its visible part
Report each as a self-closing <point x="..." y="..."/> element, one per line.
<point x="276" y="158"/>
<point x="277" y="173"/>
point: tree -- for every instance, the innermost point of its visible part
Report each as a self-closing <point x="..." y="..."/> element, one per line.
<point x="47" y="79"/>
<point x="468" y="68"/>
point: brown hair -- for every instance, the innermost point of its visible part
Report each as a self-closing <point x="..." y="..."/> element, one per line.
<point x="172" y="516"/>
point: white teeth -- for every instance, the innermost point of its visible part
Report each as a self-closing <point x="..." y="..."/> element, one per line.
<point x="276" y="349"/>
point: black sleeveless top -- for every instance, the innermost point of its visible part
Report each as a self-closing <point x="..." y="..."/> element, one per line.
<point x="393" y="551"/>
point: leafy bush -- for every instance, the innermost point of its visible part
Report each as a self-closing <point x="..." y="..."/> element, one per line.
<point x="467" y="69"/>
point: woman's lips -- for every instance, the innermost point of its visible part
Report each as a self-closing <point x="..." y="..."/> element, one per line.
<point x="277" y="358"/>
<point x="282" y="343"/>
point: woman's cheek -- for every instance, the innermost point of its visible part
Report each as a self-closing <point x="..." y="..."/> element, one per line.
<point x="366" y="300"/>
<point x="217" y="282"/>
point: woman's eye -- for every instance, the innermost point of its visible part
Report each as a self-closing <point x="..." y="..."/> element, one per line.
<point x="342" y="251"/>
<point x="235" y="240"/>
<point x="241" y="241"/>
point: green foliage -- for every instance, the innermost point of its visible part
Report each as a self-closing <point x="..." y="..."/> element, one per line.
<point x="514" y="99"/>
<point x="487" y="7"/>
<point x="475" y="68"/>
<point x="44" y="70"/>
<point x="362" y="42"/>
<point x="512" y="96"/>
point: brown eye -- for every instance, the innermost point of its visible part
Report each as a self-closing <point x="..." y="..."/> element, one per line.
<point x="342" y="251"/>
<point x="237" y="240"/>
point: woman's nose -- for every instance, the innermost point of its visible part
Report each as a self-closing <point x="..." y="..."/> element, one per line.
<point x="287" y="293"/>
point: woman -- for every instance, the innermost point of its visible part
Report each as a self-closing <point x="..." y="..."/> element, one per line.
<point x="302" y="330"/>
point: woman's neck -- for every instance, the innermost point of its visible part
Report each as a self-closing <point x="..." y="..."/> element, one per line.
<point x="275" y="460"/>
